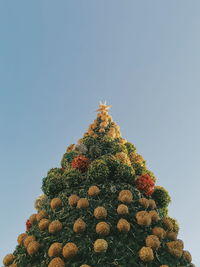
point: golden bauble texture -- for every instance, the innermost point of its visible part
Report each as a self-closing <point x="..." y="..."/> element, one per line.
<point x="85" y="265"/>
<point x="100" y="245"/>
<point x="172" y="236"/>
<point x="55" y="249"/>
<point x="93" y="190"/>
<point x="122" y="209"/>
<point x="28" y="239"/>
<point x="167" y="224"/>
<point x="100" y="213"/>
<point x="146" y="254"/>
<point x="175" y="248"/>
<point x="43" y="224"/>
<point x="82" y="203"/>
<point x="55" y="226"/>
<point x="41" y="215"/>
<point x="8" y="259"/>
<point x="125" y="196"/>
<point x="152" y="204"/>
<point x="187" y="256"/>
<point x="154" y="216"/>
<point x="56" y="262"/>
<point x="159" y="232"/>
<point x="69" y="250"/>
<point x="152" y="241"/>
<point x="144" y="202"/>
<point x="33" y="247"/>
<point x="21" y="238"/>
<point x="33" y="218"/>
<point x="56" y="203"/>
<point x="102" y="228"/>
<point x="123" y="226"/>
<point x="79" y="226"/>
<point x="143" y="218"/>
<point x="73" y="199"/>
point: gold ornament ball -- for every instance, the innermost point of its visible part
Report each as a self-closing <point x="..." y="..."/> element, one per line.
<point x="56" y="262"/>
<point x="144" y="202"/>
<point x="152" y="204"/>
<point x="13" y="265"/>
<point x="146" y="254"/>
<point x="123" y="226"/>
<point x="100" y="213"/>
<point x="122" y="209"/>
<point x="21" y="237"/>
<point x="33" y="218"/>
<point x="143" y="218"/>
<point x="55" y="203"/>
<point x="8" y="259"/>
<point x="82" y="203"/>
<point x="159" y="232"/>
<point x="125" y="196"/>
<point x="69" y="250"/>
<point x="79" y="226"/>
<point x="43" y="224"/>
<point x="100" y="245"/>
<point x="33" y="247"/>
<point x="73" y="199"/>
<point x="168" y="224"/>
<point x="28" y="240"/>
<point x="41" y="215"/>
<point x="85" y="265"/>
<point x="102" y="228"/>
<point x="93" y="190"/>
<point x="172" y="236"/>
<point x="187" y="256"/>
<point x="153" y="242"/>
<point x="55" y="226"/>
<point x="154" y="216"/>
<point x="55" y="249"/>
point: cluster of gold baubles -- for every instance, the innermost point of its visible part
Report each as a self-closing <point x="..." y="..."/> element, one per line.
<point x="143" y="218"/>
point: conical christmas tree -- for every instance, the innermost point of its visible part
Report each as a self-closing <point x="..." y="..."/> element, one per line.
<point x="101" y="208"/>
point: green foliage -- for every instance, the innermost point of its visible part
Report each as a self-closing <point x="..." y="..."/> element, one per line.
<point x="124" y="173"/>
<point x="72" y="177"/>
<point x="95" y="151"/>
<point x="175" y="224"/>
<point x="130" y="147"/>
<point x="51" y="186"/>
<point x="163" y="212"/>
<point x="161" y="197"/>
<point x="98" y="171"/>
<point x="55" y="172"/>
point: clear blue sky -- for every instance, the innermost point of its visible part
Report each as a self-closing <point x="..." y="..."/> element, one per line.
<point x="59" y="58"/>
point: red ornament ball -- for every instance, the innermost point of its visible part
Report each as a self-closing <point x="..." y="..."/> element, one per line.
<point x="28" y="225"/>
<point x="81" y="163"/>
<point x="146" y="184"/>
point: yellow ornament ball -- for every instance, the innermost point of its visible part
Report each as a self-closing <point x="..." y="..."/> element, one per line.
<point x="56" y="262"/>
<point x="146" y="254"/>
<point x="55" y="227"/>
<point x="73" y="199"/>
<point x="102" y="228"/>
<point x="152" y="204"/>
<point x="85" y="265"/>
<point x="153" y="242"/>
<point x="43" y="224"/>
<point x="123" y="226"/>
<point x="33" y="247"/>
<point x="159" y="232"/>
<point x="172" y="236"/>
<point x="41" y="215"/>
<point x="55" y="249"/>
<point x="100" y="245"/>
<point x="154" y="216"/>
<point x="79" y="226"/>
<point x="125" y="196"/>
<point x="93" y="190"/>
<point x="33" y="218"/>
<point x="82" y="203"/>
<point x="28" y="239"/>
<point x="144" y="202"/>
<point x="187" y="256"/>
<point x="143" y="218"/>
<point x="8" y="259"/>
<point x="21" y="238"/>
<point x="55" y="203"/>
<point x="100" y="213"/>
<point x="122" y="209"/>
<point x="69" y="250"/>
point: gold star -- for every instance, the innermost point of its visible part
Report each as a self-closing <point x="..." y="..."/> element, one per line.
<point x="103" y="107"/>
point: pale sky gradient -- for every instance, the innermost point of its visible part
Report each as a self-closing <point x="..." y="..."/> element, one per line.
<point x="58" y="59"/>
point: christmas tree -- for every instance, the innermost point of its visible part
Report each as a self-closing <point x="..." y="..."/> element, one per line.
<point x="101" y="208"/>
